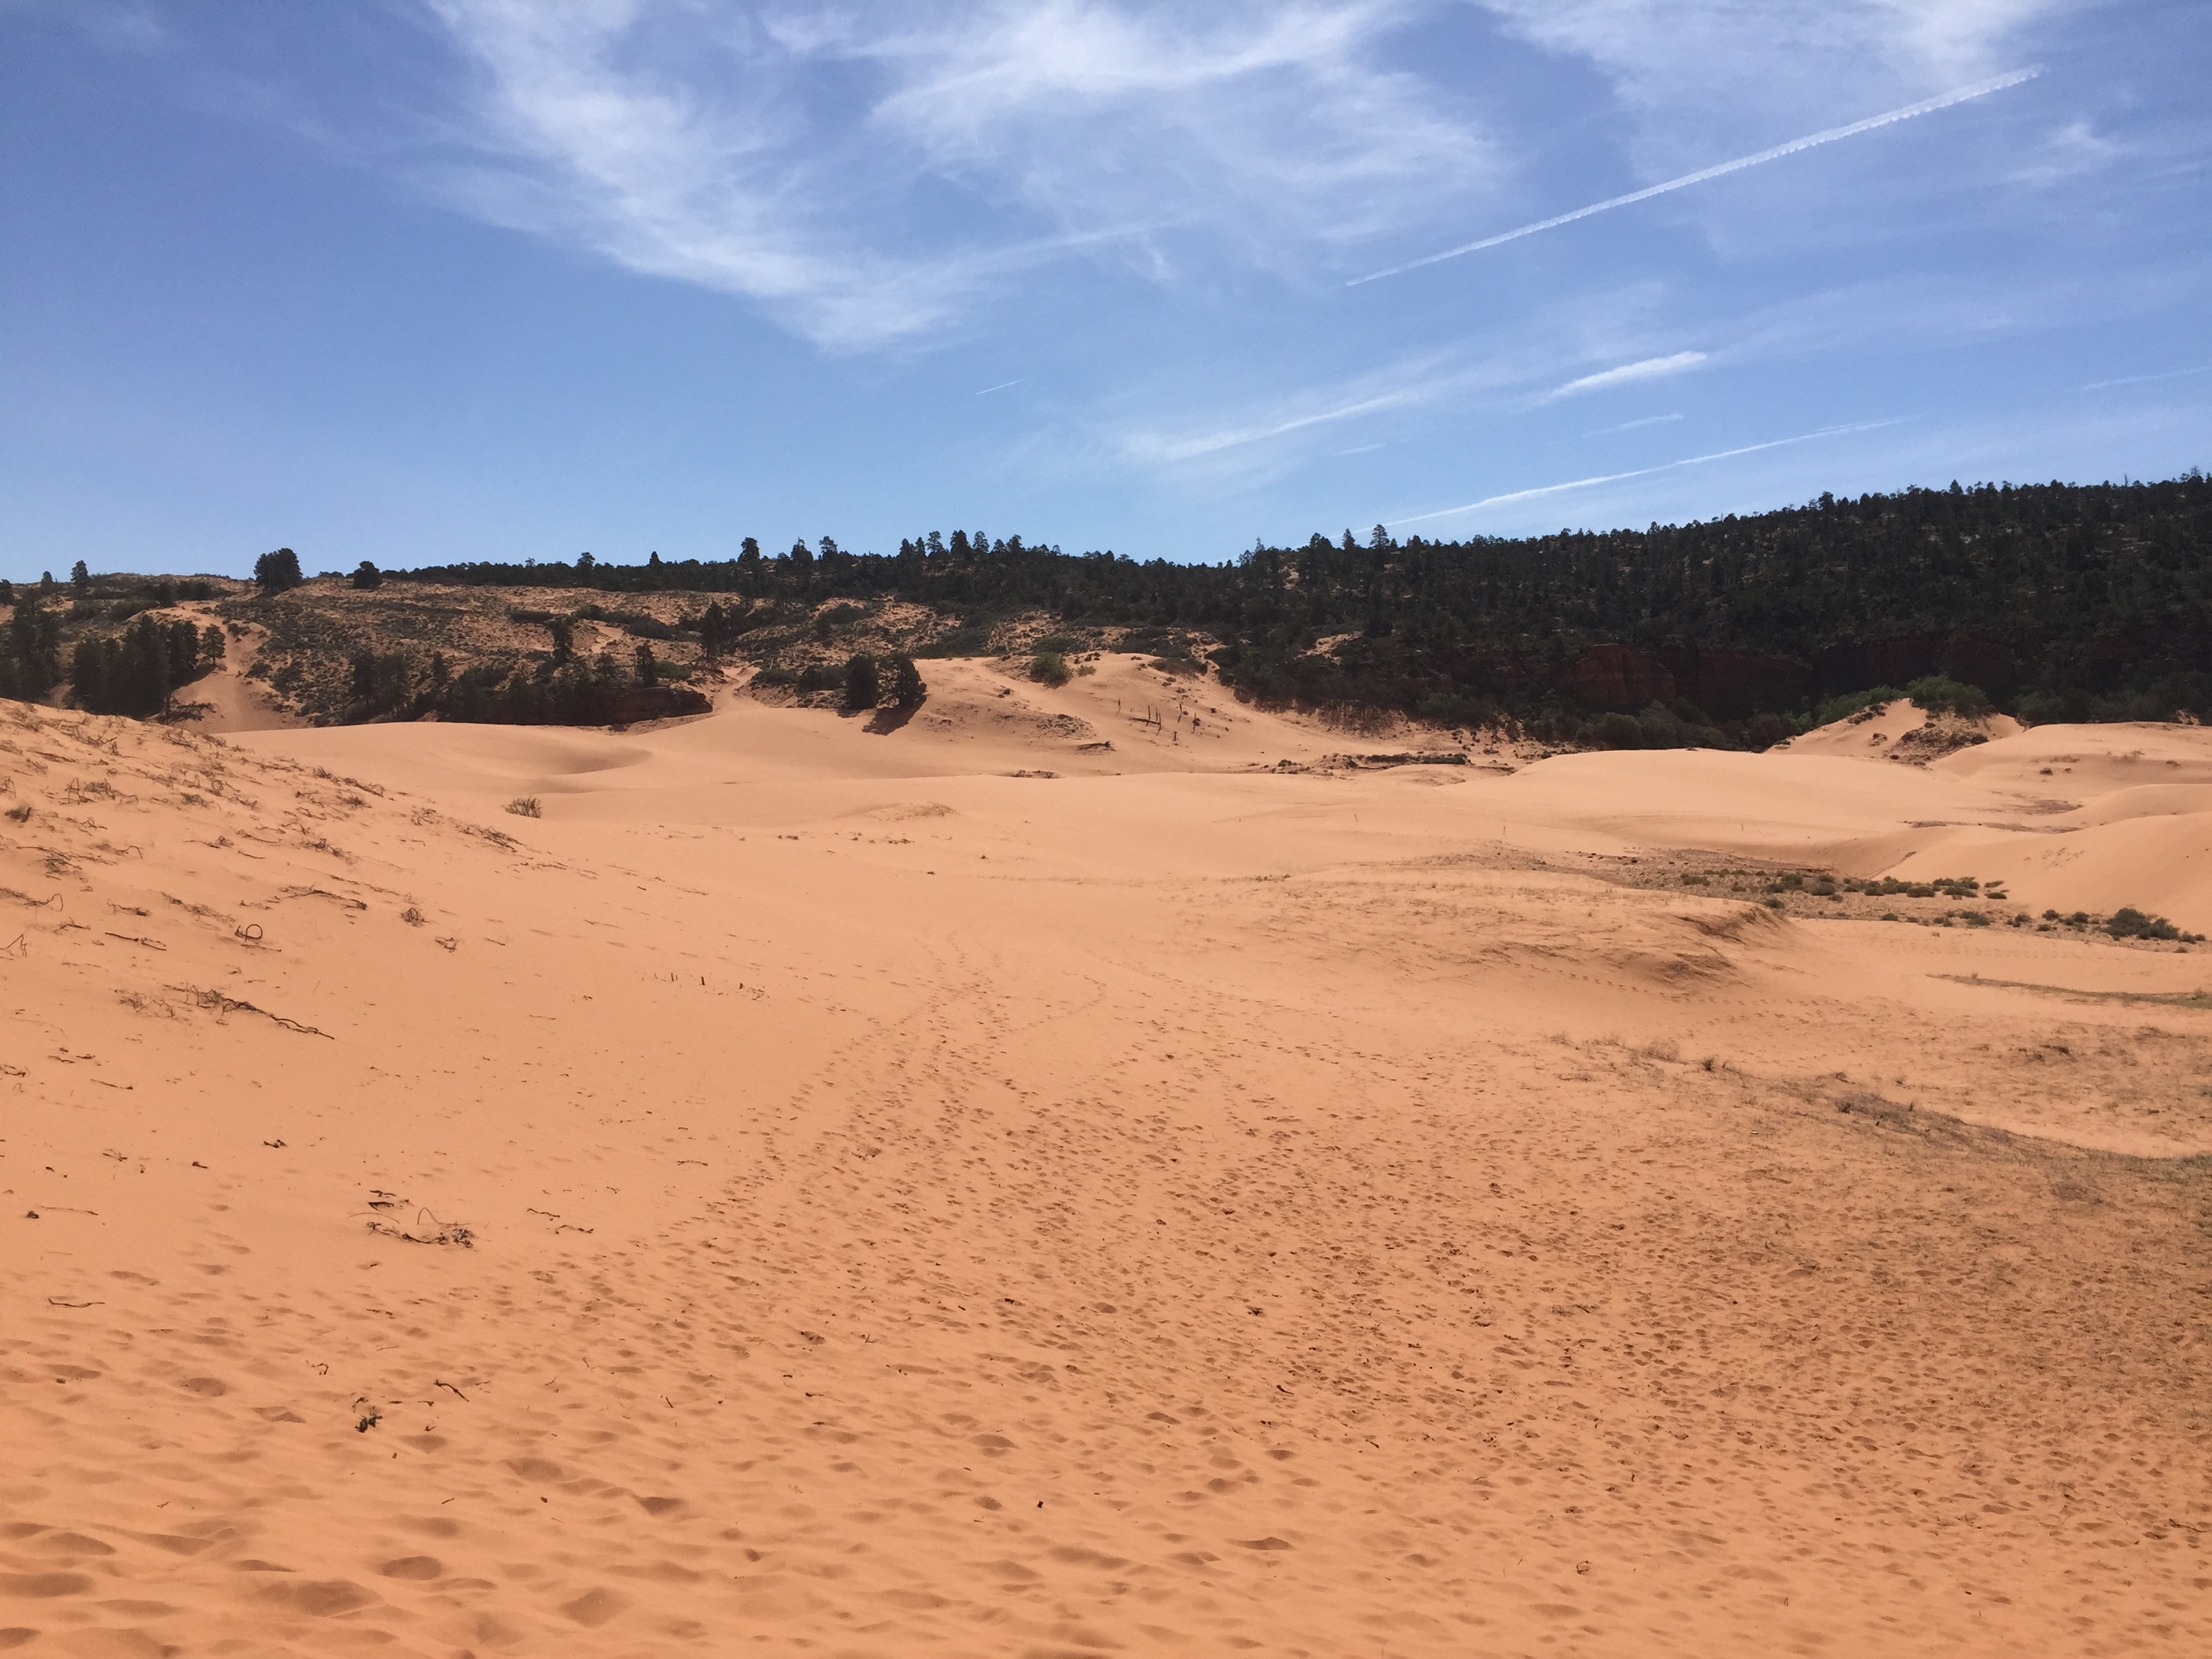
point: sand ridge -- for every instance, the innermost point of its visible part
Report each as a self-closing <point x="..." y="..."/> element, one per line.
<point x="811" y="1188"/>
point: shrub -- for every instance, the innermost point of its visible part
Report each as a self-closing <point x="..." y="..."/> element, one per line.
<point x="1832" y="710"/>
<point x="864" y="686"/>
<point x="524" y="807"/>
<point x="366" y="577"/>
<point x="1050" y="668"/>
<point x="908" y="687"/>
<point x="1939" y="694"/>
<point x="2128" y="922"/>
<point x="1616" y="730"/>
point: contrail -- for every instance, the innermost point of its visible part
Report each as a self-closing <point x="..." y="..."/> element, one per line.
<point x="1645" y="472"/>
<point x="1979" y="89"/>
<point x="2145" y="380"/>
<point x="1002" y="387"/>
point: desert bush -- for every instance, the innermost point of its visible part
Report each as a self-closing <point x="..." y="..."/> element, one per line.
<point x="1939" y="694"/>
<point x="1832" y="710"/>
<point x="1049" y="668"/>
<point x="864" y="686"/>
<point x="1614" y="730"/>
<point x="2128" y="922"/>
<point x="971" y="639"/>
<point x="524" y="807"/>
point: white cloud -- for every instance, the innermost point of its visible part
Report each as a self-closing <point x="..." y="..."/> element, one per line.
<point x="2074" y="151"/>
<point x="1514" y="496"/>
<point x="870" y="175"/>
<point x="1404" y="385"/>
<point x="1799" y="56"/>
<point x="1649" y="368"/>
<point x="1633" y="426"/>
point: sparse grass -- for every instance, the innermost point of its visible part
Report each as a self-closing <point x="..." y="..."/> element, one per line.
<point x="525" y="806"/>
<point x="2164" y="998"/>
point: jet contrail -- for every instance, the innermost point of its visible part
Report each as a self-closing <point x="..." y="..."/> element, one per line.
<point x="1979" y="89"/>
<point x="1002" y="387"/>
<point x="2144" y="379"/>
<point x="1645" y="472"/>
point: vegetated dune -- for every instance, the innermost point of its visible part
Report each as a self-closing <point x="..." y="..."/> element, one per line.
<point x="949" y="1186"/>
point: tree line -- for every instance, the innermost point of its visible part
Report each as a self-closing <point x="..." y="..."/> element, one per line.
<point x="2059" y="601"/>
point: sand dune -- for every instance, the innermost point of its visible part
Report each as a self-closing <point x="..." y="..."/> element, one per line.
<point x="815" y="1189"/>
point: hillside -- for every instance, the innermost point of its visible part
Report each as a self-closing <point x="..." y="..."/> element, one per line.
<point x="2051" y="602"/>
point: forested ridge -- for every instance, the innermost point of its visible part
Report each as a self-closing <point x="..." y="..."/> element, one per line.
<point x="2061" y="601"/>
<point x="2057" y="601"/>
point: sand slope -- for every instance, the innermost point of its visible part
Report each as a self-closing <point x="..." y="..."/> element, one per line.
<point x="813" y="1190"/>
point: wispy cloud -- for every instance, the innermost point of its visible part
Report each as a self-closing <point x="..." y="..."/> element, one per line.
<point x="1156" y="448"/>
<point x="869" y="174"/>
<point x="1513" y="495"/>
<point x="2145" y="380"/>
<point x="1632" y="426"/>
<point x="1651" y="369"/>
<point x="1698" y="67"/>
<point x="1795" y="146"/>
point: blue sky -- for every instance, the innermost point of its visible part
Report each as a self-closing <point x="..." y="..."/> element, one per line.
<point x="424" y="280"/>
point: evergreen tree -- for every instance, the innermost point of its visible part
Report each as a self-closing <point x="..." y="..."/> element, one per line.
<point x="80" y="578"/>
<point x="863" y="682"/>
<point x="367" y="576"/>
<point x="30" y="661"/>
<point x="277" y="572"/>
<point x="907" y="688"/>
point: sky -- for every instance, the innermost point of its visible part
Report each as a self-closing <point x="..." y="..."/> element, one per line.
<point x="422" y="281"/>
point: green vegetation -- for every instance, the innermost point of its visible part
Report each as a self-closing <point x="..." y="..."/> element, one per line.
<point x="2128" y="922"/>
<point x="2048" y="601"/>
<point x="1050" y="668"/>
<point x="278" y="572"/>
<point x="135" y="673"/>
<point x="908" y="687"/>
<point x="1940" y="695"/>
<point x="864" y="687"/>
<point x="31" y="655"/>
<point x="2054" y="601"/>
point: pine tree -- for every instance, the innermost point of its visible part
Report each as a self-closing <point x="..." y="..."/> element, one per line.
<point x="277" y="572"/>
